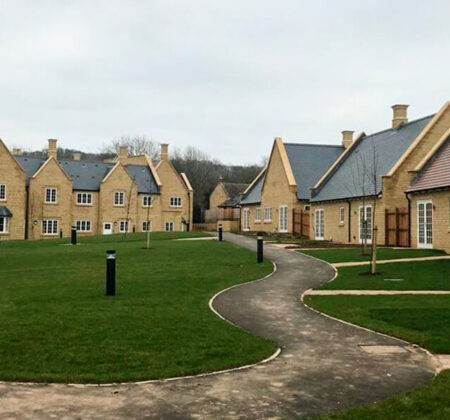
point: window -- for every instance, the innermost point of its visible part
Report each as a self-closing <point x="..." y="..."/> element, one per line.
<point x="169" y="226"/>
<point x="2" y="192"/>
<point x="119" y="198"/>
<point x="246" y="220"/>
<point x="267" y="214"/>
<point x="83" y="225"/>
<point x="365" y="224"/>
<point x="84" y="199"/>
<point x="175" y="201"/>
<point x="50" y="227"/>
<point x="147" y="226"/>
<point x="319" y="225"/>
<point x="283" y="219"/>
<point x="258" y="214"/>
<point x="123" y="226"/>
<point x="50" y="195"/>
<point x="147" y="201"/>
<point x="425" y="224"/>
<point x="3" y="225"/>
<point x="341" y="215"/>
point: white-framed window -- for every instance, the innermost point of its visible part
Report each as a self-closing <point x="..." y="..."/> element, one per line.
<point x="246" y="219"/>
<point x="258" y="214"/>
<point x="283" y="219"/>
<point x="2" y="192"/>
<point x="50" y="227"/>
<point x="4" y="222"/>
<point x="425" y="224"/>
<point x="123" y="226"/>
<point x="365" y="224"/>
<point x="83" y="225"/>
<point x="341" y="215"/>
<point x="175" y="201"/>
<point x="267" y="214"/>
<point x="169" y="227"/>
<point x="51" y="195"/>
<point x="319" y="224"/>
<point x="147" y="201"/>
<point x="147" y="226"/>
<point x="84" y="199"/>
<point x="119" y="198"/>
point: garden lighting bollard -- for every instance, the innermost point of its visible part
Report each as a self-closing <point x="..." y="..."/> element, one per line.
<point x="260" y="253"/>
<point x="220" y="233"/>
<point x="110" y="273"/>
<point x="74" y="235"/>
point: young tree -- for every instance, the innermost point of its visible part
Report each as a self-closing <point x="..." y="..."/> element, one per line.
<point x="130" y="195"/>
<point x="148" y="223"/>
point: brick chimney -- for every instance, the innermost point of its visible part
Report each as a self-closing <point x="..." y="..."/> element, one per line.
<point x="77" y="156"/>
<point x="400" y="115"/>
<point x="123" y="152"/>
<point x="16" y="151"/>
<point x="164" y="151"/>
<point x="347" y="138"/>
<point x="52" y="150"/>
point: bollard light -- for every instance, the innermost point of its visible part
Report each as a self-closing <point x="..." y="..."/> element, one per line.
<point x="110" y="273"/>
<point x="74" y="235"/>
<point x="260" y="253"/>
<point x="220" y="233"/>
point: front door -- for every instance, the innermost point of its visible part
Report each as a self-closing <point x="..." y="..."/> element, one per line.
<point x="107" y="228"/>
<point x="319" y="224"/>
<point x="425" y="224"/>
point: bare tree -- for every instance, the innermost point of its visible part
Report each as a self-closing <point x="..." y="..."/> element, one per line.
<point x="130" y="192"/>
<point x="137" y="145"/>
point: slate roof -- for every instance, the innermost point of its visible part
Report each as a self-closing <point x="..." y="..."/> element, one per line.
<point x="253" y="196"/>
<point x="234" y="191"/>
<point x="87" y="175"/>
<point x="5" y="212"/>
<point x="309" y="162"/>
<point x="436" y="173"/>
<point x="388" y="146"/>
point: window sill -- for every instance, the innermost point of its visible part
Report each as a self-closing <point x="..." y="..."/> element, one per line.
<point x="267" y="221"/>
<point x="257" y="221"/>
<point x="119" y="205"/>
<point x="51" y="203"/>
<point x="4" y="233"/>
<point x="84" y="205"/>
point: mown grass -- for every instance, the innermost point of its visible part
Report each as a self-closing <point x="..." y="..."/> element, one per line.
<point x="428" y="402"/>
<point x="57" y="325"/>
<point x="420" y="275"/>
<point x="337" y="255"/>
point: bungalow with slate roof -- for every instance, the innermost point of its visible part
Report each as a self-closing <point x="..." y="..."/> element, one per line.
<point x="284" y="185"/>
<point x="45" y="197"/>
<point x="376" y="169"/>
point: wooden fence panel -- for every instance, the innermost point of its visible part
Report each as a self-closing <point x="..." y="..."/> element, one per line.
<point x="397" y="227"/>
<point x="300" y="222"/>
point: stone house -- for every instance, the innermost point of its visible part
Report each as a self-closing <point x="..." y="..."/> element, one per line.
<point x="45" y="197"/>
<point x="283" y="188"/>
<point x="367" y="185"/>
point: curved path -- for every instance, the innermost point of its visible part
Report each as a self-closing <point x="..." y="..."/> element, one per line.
<point x="321" y="366"/>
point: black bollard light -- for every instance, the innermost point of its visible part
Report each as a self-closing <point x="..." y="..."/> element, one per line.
<point x="220" y="233"/>
<point x="61" y="234"/>
<point x="260" y="254"/>
<point x="74" y="235"/>
<point x="110" y="273"/>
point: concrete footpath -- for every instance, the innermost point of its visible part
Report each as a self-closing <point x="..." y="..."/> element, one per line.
<point x="322" y="367"/>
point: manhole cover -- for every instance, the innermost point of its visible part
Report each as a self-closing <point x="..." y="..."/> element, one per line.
<point x="377" y="349"/>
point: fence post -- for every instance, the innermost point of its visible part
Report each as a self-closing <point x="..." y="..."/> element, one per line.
<point x="386" y="227"/>
<point x="110" y="273"/>
<point x="260" y="251"/>
<point x="396" y="227"/>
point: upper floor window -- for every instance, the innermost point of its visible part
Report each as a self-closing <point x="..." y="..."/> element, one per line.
<point x="258" y="214"/>
<point x="267" y="214"/>
<point x="51" y="195"/>
<point x="147" y="201"/>
<point x="49" y="227"/>
<point x="119" y="198"/>
<point x="2" y="192"/>
<point x="175" y="201"/>
<point x="341" y="215"/>
<point x="84" y="199"/>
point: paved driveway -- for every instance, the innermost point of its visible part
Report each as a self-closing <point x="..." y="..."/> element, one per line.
<point x="321" y="366"/>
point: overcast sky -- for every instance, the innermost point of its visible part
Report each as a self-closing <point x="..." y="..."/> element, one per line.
<point x="224" y="76"/>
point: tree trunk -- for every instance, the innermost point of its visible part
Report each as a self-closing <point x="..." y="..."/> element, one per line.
<point x="373" y="265"/>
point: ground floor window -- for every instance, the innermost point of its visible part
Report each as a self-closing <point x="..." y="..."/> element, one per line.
<point x="246" y="219"/>
<point x="123" y="227"/>
<point x="147" y="226"/>
<point x="365" y="224"/>
<point x="83" y="225"/>
<point x="50" y="227"/>
<point x="258" y="214"/>
<point x="169" y="226"/>
<point x="283" y="219"/>
<point x="4" y="221"/>
<point x="341" y="215"/>
<point x="267" y="214"/>
<point x="319" y="224"/>
<point x="425" y="224"/>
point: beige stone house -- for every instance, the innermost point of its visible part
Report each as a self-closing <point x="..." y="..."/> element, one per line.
<point x="282" y="189"/>
<point x="45" y="197"/>
<point x="367" y="186"/>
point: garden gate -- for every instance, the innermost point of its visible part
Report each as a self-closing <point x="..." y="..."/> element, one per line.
<point x="397" y="227"/>
<point x="300" y="222"/>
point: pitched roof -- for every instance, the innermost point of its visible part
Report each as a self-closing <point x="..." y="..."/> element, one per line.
<point x="346" y="180"/>
<point x="233" y="189"/>
<point x="5" y="212"/>
<point x="87" y="175"/>
<point x="253" y="195"/>
<point x="436" y="173"/>
<point x="309" y="162"/>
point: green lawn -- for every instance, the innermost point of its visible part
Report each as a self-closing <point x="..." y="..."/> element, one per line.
<point x="337" y="255"/>
<point x="429" y="402"/>
<point x="424" y="320"/>
<point x="58" y="326"/>
<point x="420" y="275"/>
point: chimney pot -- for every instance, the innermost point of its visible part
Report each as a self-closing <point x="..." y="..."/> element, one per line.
<point x="17" y="151"/>
<point x="400" y="115"/>
<point x="164" y="151"/>
<point x="77" y="156"/>
<point x="347" y="138"/>
<point x="123" y="152"/>
<point x="52" y="148"/>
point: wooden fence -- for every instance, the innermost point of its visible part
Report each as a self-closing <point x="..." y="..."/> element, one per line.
<point x="300" y="222"/>
<point x="397" y="227"/>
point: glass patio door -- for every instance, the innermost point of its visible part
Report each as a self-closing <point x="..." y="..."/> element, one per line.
<point x="425" y="224"/>
<point x="319" y="227"/>
<point x="365" y="224"/>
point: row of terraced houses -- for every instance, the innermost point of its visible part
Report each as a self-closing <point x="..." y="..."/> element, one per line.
<point x="397" y="180"/>
<point x="45" y="197"/>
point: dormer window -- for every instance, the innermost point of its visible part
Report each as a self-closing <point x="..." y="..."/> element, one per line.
<point x="147" y="201"/>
